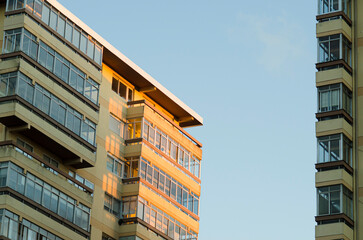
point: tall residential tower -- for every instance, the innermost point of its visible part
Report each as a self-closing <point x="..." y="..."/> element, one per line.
<point x="339" y="126"/>
<point x="91" y="146"/>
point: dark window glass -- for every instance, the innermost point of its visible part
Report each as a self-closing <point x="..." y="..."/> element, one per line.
<point x="122" y="90"/>
<point x="114" y="84"/>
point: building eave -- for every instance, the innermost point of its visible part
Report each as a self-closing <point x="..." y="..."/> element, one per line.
<point x="136" y="76"/>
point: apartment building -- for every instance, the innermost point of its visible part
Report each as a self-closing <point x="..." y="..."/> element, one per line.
<point x="339" y="83"/>
<point x="91" y="146"/>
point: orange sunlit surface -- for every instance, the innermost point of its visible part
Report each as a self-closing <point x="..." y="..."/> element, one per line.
<point x="109" y="184"/>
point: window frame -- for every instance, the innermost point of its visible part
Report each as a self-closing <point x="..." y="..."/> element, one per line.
<point x="343" y="142"/>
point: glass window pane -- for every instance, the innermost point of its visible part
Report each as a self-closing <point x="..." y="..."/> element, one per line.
<point x="53" y="20"/>
<point x="68" y="31"/>
<point x="122" y="90"/>
<point x="45" y="14"/>
<point x="90" y="49"/>
<point x="83" y="43"/>
<point x="61" y="26"/>
<point x="76" y="37"/>
<point x="334" y="150"/>
<point x="335" y="202"/>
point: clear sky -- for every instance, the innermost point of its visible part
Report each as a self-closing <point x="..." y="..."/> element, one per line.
<point x="247" y="67"/>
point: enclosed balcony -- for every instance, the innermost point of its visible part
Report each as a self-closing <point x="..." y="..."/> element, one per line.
<point x="335" y="204"/>
<point x="334" y="152"/>
<point x="334" y="51"/>
<point x="334" y="101"/>
<point x="334" y="9"/>
<point x="158" y="132"/>
<point x="30" y="111"/>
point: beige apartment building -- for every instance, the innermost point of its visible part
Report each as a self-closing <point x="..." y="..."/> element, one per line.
<point x="339" y="129"/>
<point x="92" y="147"/>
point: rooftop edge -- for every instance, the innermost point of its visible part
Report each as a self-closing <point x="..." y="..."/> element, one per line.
<point x="138" y="77"/>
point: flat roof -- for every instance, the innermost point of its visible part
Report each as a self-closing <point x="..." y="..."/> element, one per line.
<point x="136" y="76"/>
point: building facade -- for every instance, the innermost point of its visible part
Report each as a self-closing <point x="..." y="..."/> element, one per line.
<point x="339" y="83"/>
<point x="91" y="146"/>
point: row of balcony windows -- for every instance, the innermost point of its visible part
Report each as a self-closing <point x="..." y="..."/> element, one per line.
<point x="16" y="83"/>
<point x="22" y="40"/>
<point x="142" y="209"/>
<point x="42" y="193"/>
<point x="55" y="163"/>
<point x="59" y="23"/>
<point x="157" y="138"/>
<point x="14" y="229"/>
<point x="157" y="178"/>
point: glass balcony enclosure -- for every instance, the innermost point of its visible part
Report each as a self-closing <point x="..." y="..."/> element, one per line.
<point x="22" y="40"/>
<point x="334" y="148"/>
<point x="334" y="47"/>
<point x="142" y="128"/>
<point x="16" y="83"/>
<point x="334" y="97"/>
<point x="330" y="6"/>
<point x="63" y="26"/>
<point x="42" y="193"/>
<point x="334" y="200"/>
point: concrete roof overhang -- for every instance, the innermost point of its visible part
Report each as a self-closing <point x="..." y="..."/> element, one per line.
<point x="138" y="77"/>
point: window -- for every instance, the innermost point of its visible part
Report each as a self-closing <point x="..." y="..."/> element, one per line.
<point x="334" y="200"/>
<point x="91" y="90"/>
<point x="12" y="228"/>
<point x="52" y="162"/>
<point x="130" y="238"/>
<point x="26" y="146"/>
<point x="106" y="237"/>
<point x="328" y="6"/>
<point x="117" y="126"/>
<point x="81" y="180"/>
<point x="334" y="148"/>
<point x="12" y="40"/>
<point x="134" y="128"/>
<point x="334" y="47"/>
<point x="129" y="205"/>
<point x="112" y="205"/>
<point x="121" y="89"/>
<point x="334" y="97"/>
<point x="115" y="166"/>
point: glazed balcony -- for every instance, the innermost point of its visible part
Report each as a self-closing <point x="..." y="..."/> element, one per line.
<point x="23" y="118"/>
<point x="144" y="109"/>
<point x="10" y="149"/>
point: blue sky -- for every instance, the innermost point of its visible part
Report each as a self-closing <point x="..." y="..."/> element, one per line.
<point x="247" y="67"/>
